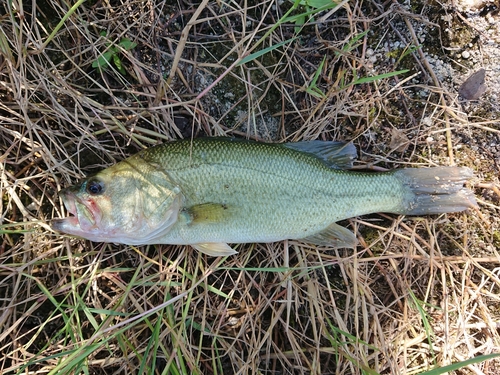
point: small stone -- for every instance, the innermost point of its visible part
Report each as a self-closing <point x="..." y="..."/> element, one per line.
<point x="465" y="54"/>
<point x="427" y="121"/>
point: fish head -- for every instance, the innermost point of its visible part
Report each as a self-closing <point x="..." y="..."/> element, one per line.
<point x="126" y="203"/>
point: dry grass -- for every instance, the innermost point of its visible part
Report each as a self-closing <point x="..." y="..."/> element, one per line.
<point x="418" y="293"/>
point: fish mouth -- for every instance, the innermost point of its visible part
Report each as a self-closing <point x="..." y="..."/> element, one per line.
<point x="81" y="219"/>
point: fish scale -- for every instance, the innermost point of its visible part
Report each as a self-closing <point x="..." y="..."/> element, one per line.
<point x="274" y="191"/>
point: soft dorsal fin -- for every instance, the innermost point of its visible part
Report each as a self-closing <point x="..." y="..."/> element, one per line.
<point x="337" y="155"/>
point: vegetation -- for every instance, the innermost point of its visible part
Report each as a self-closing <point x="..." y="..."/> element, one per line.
<point x="84" y="86"/>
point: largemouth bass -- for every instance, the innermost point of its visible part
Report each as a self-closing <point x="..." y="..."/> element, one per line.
<point x="213" y="191"/>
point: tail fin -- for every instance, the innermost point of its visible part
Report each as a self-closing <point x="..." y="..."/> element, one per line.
<point x="436" y="190"/>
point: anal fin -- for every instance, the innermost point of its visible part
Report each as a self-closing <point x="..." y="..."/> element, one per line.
<point x="215" y="249"/>
<point x="334" y="235"/>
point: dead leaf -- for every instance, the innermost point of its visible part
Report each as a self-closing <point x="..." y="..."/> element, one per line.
<point x="399" y="140"/>
<point x="474" y="86"/>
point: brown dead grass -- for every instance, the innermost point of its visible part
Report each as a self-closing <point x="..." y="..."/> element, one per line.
<point x="417" y="293"/>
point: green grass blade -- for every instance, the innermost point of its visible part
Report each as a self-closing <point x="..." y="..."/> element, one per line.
<point x="61" y="23"/>
<point x="459" y="365"/>
<point x="360" y="81"/>
<point x="262" y="52"/>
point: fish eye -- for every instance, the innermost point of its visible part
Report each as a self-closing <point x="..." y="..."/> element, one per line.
<point x="95" y="187"/>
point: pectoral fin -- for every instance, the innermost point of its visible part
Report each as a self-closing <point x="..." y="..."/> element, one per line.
<point x="334" y="235"/>
<point x="215" y="249"/>
<point x="208" y="213"/>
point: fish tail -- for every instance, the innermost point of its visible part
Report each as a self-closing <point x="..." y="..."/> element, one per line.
<point x="436" y="190"/>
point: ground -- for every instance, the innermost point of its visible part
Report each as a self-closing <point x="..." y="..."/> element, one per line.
<point x="84" y="87"/>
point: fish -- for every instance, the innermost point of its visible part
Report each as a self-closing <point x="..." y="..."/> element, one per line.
<point x="212" y="192"/>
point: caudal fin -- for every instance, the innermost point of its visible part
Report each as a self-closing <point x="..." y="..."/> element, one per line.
<point x="436" y="190"/>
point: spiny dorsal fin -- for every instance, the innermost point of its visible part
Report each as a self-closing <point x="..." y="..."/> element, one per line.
<point x="337" y="155"/>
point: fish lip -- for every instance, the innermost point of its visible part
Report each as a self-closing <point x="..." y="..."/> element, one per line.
<point x="69" y="199"/>
<point x="64" y="225"/>
<point x="78" y="210"/>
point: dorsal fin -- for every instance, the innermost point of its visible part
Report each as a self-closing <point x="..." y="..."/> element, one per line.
<point x="339" y="155"/>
